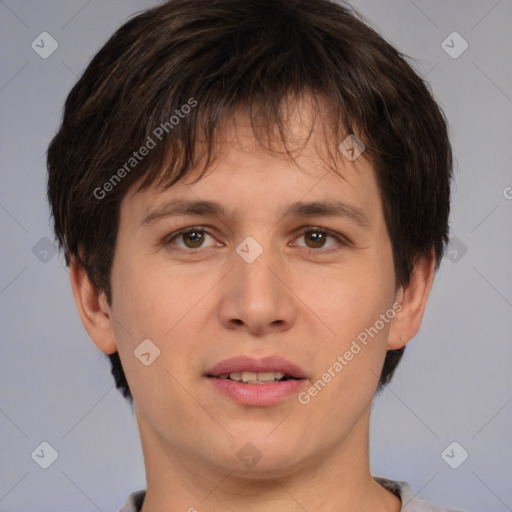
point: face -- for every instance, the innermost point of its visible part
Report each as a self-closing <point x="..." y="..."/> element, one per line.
<point x="263" y="283"/>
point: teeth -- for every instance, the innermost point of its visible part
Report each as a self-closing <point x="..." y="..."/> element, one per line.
<point x="253" y="377"/>
<point x="249" y="376"/>
<point x="266" y="376"/>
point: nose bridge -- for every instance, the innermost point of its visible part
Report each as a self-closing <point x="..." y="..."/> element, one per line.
<point x="257" y="267"/>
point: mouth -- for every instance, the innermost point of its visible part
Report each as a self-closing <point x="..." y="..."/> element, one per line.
<point x="247" y="377"/>
<point x="254" y="371"/>
<point x="257" y="382"/>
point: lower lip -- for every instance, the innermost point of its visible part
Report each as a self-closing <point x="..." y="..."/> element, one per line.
<point x="258" y="394"/>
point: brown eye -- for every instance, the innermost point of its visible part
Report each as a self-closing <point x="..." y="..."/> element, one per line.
<point x="192" y="238"/>
<point x="316" y="237"/>
<point x="195" y="237"/>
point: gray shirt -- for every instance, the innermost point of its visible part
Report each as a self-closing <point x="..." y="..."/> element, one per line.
<point x="410" y="503"/>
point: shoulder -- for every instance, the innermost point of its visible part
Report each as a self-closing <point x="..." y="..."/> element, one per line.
<point x="134" y="501"/>
<point x="411" y="503"/>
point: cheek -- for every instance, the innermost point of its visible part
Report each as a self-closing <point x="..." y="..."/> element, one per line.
<point x="350" y="300"/>
<point x="150" y="305"/>
<point x="149" y="299"/>
<point x="169" y="307"/>
<point x="351" y="305"/>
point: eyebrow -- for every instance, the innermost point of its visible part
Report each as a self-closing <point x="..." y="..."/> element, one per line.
<point x="182" y="207"/>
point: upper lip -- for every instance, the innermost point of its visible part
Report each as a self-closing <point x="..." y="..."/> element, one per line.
<point x="249" y="364"/>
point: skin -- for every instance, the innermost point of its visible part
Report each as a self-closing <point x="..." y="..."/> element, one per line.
<point x="295" y="300"/>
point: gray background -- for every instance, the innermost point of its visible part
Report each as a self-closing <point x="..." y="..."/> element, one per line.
<point x="454" y="383"/>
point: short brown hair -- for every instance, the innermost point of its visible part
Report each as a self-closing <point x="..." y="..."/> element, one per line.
<point x="252" y="54"/>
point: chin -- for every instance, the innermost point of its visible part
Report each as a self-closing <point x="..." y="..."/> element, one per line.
<point x="255" y="456"/>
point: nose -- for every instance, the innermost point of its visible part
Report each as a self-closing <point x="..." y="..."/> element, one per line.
<point x="257" y="297"/>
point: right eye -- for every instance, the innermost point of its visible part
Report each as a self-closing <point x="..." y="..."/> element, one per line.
<point x="192" y="239"/>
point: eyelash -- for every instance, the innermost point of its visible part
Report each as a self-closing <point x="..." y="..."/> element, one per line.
<point x="342" y="240"/>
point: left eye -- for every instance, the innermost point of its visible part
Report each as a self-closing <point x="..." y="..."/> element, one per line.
<point x="316" y="238"/>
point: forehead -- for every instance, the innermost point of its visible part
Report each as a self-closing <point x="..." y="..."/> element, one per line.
<point x="254" y="166"/>
<point x="307" y="132"/>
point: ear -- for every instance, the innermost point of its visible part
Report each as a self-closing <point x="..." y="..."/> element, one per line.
<point x="413" y="299"/>
<point x="93" y="309"/>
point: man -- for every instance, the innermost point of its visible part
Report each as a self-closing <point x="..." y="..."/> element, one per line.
<point x="253" y="198"/>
